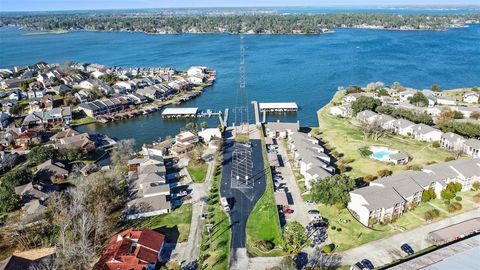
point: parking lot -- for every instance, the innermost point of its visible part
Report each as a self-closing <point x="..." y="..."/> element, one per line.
<point x="284" y="180"/>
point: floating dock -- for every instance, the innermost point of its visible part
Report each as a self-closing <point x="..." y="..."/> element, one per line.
<point x="278" y="107"/>
<point x="180" y="112"/>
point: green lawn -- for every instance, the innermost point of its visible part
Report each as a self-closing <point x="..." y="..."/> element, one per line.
<point x="215" y="246"/>
<point x="343" y="136"/>
<point x="263" y="222"/>
<point x="175" y="225"/>
<point x="197" y="171"/>
<point x="83" y="121"/>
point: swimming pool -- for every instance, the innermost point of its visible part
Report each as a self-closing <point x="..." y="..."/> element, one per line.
<point x="381" y="152"/>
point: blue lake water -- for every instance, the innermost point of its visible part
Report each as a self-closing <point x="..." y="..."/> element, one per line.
<point x="306" y="69"/>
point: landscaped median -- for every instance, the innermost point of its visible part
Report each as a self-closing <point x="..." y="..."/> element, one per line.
<point x="197" y="170"/>
<point x="264" y="235"/>
<point x="215" y="245"/>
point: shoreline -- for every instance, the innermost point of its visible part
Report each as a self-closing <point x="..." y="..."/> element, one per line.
<point x="332" y="31"/>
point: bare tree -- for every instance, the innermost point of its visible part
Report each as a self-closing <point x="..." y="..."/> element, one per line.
<point x="123" y="151"/>
<point x="319" y="260"/>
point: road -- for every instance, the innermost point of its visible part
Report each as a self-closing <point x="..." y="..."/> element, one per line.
<point x="242" y="200"/>
<point x="386" y="250"/>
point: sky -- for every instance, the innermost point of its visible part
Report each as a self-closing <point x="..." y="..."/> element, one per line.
<point x="46" y="5"/>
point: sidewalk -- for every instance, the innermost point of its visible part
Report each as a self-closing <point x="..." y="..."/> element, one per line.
<point x="386" y="250"/>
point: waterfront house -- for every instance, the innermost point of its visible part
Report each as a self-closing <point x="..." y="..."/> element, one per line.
<point x="352" y="97"/>
<point x="281" y="130"/>
<point x="196" y="79"/>
<point x="471" y="147"/>
<point x="137" y="99"/>
<point x="367" y="116"/>
<point x="133" y="250"/>
<point x="406" y="95"/>
<point x="209" y="133"/>
<point x="102" y="108"/>
<point x="471" y="97"/>
<point x="403" y="127"/>
<point x="69" y="132"/>
<point x="452" y="141"/>
<point x="196" y="71"/>
<point x="340" y="111"/>
<point x="422" y="132"/>
<point x="90" y="109"/>
<point x="80" y="141"/>
<point x="150" y="92"/>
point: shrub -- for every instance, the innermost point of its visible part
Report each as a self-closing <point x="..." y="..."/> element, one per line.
<point x="339" y="229"/>
<point x="348" y="160"/>
<point x="333" y="228"/>
<point x="458" y="198"/>
<point x="328" y="248"/>
<point x="342" y="168"/>
<point x="384" y="172"/>
<point x="369" y="178"/>
<point x="265" y="245"/>
<point x="414" y="167"/>
<point x="453" y="207"/>
<point x="431" y="214"/>
<point x="449" y="159"/>
<point x="476" y="185"/>
<point x="435" y="144"/>
<point x="365" y="151"/>
<point x="428" y="195"/>
<point x="476" y="198"/>
<point x="334" y="154"/>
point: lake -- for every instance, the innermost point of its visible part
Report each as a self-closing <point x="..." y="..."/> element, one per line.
<point x="306" y="69"/>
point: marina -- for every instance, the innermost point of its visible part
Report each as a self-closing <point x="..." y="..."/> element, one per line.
<point x="278" y="107"/>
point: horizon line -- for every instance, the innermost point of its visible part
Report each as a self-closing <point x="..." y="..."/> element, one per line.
<point x="420" y="6"/>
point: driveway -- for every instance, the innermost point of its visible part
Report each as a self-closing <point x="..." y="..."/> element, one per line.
<point x="298" y="205"/>
<point x="199" y="195"/>
<point x="386" y="250"/>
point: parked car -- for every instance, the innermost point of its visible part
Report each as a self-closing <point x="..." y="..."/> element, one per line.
<point x="357" y="266"/>
<point x="288" y="211"/>
<point x="313" y="212"/>
<point x="367" y="264"/>
<point x="407" y="249"/>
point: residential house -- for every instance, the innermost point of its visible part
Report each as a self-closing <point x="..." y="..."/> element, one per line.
<point x="406" y="95"/>
<point x="467" y="111"/>
<point x="449" y="101"/>
<point x="69" y="132"/>
<point x="87" y="84"/>
<point x="367" y="116"/>
<point x="281" y="130"/>
<point x="340" y="111"/>
<point x="471" y="147"/>
<point x="150" y="92"/>
<point x="403" y="127"/>
<point x="90" y="109"/>
<point x="465" y="172"/>
<point x="137" y="99"/>
<point x="422" y="132"/>
<point x="471" y="97"/>
<point x="33" y="119"/>
<point x="132" y="250"/>
<point x="81" y="141"/>
<point x="209" y="133"/>
<point x="352" y="97"/>
<point x="452" y="141"/>
<point x="385" y="121"/>
<point x="61" y="89"/>
<point x="53" y="171"/>
<point x="83" y="96"/>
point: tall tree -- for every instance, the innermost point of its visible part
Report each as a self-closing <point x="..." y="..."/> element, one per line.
<point x="294" y="238"/>
<point x="333" y="189"/>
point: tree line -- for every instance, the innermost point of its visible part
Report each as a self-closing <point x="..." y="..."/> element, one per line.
<point x="235" y="24"/>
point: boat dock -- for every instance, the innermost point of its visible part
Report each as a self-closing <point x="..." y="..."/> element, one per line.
<point x="180" y="112"/>
<point x="278" y="107"/>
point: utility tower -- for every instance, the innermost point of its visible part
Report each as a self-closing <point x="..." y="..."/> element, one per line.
<point x="241" y="106"/>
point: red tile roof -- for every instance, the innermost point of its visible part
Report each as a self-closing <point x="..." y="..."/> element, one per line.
<point x="131" y="250"/>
